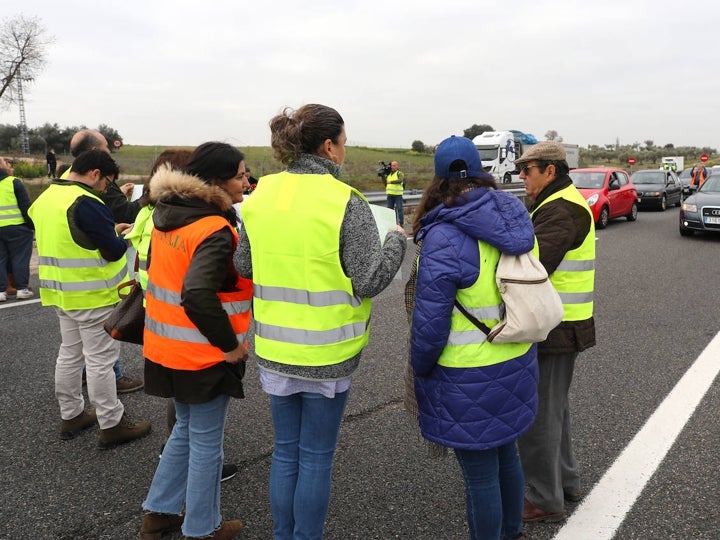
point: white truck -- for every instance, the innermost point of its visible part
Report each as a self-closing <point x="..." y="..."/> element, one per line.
<point x="499" y="149"/>
<point x="673" y="163"/>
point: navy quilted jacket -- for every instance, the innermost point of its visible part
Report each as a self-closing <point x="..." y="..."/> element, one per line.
<point x="468" y="408"/>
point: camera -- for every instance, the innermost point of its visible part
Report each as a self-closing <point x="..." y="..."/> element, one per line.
<point x="383" y="170"/>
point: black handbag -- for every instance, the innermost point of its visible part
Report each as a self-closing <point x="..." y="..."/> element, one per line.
<point x="127" y="320"/>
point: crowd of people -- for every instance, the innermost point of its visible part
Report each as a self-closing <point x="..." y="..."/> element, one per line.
<point x="306" y="278"/>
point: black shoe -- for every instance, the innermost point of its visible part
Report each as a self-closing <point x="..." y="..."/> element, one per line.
<point x="229" y="471"/>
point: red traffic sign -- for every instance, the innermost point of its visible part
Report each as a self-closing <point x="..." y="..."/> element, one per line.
<point x="631" y="161"/>
<point x="704" y="158"/>
<point x="117" y="143"/>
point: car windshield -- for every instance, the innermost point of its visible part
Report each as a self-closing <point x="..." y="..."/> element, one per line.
<point x="648" y="177"/>
<point x="711" y="185"/>
<point x="587" y="180"/>
<point x="686" y="174"/>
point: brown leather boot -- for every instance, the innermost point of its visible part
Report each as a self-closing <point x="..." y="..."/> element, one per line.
<point x="124" y="432"/>
<point x="70" y="428"/>
<point x="226" y="531"/>
<point x="154" y="525"/>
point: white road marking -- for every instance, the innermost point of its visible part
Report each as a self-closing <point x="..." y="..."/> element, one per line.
<point x="18" y="303"/>
<point x="606" y="506"/>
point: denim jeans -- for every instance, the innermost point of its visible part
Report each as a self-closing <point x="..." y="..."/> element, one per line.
<point x="494" y="490"/>
<point x="16" y="244"/>
<point x="188" y="475"/>
<point x="396" y="202"/>
<point x="307" y="426"/>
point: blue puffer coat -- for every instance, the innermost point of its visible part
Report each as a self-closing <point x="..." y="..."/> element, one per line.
<point x="469" y="408"/>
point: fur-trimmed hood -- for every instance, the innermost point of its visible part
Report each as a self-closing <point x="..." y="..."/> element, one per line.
<point x="167" y="184"/>
<point x="181" y="198"/>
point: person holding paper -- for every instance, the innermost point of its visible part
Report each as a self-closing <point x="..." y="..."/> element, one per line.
<point x="316" y="259"/>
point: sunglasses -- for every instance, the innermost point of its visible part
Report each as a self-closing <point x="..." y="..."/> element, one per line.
<point x="527" y="168"/>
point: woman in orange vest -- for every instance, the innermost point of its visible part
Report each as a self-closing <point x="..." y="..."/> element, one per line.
<point x="195" y="346"/>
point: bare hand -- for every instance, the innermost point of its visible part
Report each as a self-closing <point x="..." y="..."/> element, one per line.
<point x="123" y="228"/>
<point x="399" y="229"/>
<point x="127" y="188"/>
<point x="238" y="354"/>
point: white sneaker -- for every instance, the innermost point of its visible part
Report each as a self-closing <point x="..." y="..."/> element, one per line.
<point x="24" y="294"/>
<point x="3" y="296"/>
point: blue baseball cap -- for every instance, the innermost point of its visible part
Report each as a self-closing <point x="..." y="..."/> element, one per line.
<point x="461" y="150"/>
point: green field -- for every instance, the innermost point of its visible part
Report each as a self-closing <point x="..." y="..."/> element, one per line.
<point x="359" y="169"/>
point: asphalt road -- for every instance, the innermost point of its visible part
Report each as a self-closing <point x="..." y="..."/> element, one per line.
<point x="657" y="302"/>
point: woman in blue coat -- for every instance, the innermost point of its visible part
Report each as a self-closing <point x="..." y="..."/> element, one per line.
<point x="473" y="396"/>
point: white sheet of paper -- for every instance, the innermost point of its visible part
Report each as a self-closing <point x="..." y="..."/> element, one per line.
<point x="137" y="192"/>
<point x="385" y="220"/>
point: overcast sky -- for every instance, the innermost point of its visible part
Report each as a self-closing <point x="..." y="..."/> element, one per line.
<point x="184" y="72"/>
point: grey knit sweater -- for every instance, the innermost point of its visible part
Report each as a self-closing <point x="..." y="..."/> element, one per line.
<point x="370" y="266"/>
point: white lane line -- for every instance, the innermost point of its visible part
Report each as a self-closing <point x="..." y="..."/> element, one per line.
<point x="606" y="506"/>
<point x="19" y="303"/>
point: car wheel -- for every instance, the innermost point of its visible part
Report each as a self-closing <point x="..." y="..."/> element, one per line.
<point x="507" y="179"/>
<point x="632" y="216"/>
<point x="686" y="232"/>
<point x="663" y="203"/>
<point x="604" y="218"/>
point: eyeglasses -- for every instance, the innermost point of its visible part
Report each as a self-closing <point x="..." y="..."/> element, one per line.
<point x="526" y="168"/>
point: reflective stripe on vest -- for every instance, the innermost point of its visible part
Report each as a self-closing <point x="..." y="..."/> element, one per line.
<point x="574" y="277"/>
<point x="467" y="345"/>
<point x="393" y="189"/>
<point x="171" y="339"/>
<point x="140" y="237"/>
<point x="305" y="311"/>
<point x="9" y="210"/>
<point x="71" y="277"/>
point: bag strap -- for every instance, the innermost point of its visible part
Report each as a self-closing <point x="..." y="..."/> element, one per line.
<point x="485" y="328"/>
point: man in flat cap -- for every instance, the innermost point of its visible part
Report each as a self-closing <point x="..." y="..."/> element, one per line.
<point x="565" y="233"/>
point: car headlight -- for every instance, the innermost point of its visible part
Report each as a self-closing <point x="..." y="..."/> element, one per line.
<point x="689" y="207"/>
<point x="592" y="199"/>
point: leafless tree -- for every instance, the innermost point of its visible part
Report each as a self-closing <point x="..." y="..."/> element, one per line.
<point x="23" y="44"/>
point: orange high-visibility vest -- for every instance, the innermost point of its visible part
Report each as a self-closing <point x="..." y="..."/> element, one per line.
<point x="698" y="177"/>
<point x="170" y="338"/>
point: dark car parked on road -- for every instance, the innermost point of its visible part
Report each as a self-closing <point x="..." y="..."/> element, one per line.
<point x="701" y="210"/>
<point x="657" y="188"/>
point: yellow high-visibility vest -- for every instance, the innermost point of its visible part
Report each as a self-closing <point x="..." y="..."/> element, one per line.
<point x="393" y="189"/>
<point x="71" y="277"/>
<point x="574" y="278"/>
<point x="304" y="308"/>
<point x="9" y="210"/>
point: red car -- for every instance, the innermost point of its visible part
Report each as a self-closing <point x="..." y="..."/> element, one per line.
<point x="609" y="192"/>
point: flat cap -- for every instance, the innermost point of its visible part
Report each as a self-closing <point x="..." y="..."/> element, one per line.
<point x="545" y="150"/>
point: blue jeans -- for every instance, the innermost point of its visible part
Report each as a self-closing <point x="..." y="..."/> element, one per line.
<point x="494" y="491"/>
<point x="188" y="475"/>
<point x="16" y="243"/>
<point x="307" y="426"/>
<point x="396" y="202"/>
